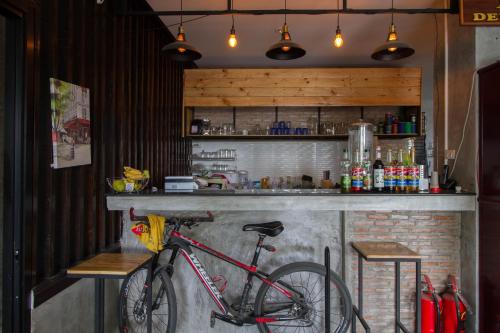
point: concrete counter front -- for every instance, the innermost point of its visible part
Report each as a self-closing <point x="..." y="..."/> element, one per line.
<point x="287" y="200"/>
<point x="440" y="227"/>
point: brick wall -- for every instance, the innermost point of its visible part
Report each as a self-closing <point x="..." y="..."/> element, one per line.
<point x="435" y="235"/>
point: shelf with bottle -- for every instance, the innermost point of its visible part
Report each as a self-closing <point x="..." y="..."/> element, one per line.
<point x="339" y="137"/>
<point x="299" y="123"/>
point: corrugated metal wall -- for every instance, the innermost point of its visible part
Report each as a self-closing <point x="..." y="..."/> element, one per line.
<point x="136" y="101"/>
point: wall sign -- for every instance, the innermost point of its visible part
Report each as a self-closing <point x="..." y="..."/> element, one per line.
<point x="480" y="12"/>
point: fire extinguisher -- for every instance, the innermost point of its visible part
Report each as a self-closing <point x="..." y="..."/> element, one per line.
<point x="455" y="308"/>
<point x="432" y="307"/>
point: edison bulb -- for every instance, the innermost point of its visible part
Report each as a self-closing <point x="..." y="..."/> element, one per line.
<point x="392" y="49"/>
<point x="285" y="48"/>
<point x="393" y="35"/>
<point x="339" y="41"/>
<point x="181" y="49"/>
<point x="232" y="41"/>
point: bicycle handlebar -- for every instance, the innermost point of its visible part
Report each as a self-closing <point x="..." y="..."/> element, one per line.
<point x="188" y="221"/>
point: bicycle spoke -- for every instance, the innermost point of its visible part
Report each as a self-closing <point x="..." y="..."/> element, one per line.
<point x="311" y="286"/>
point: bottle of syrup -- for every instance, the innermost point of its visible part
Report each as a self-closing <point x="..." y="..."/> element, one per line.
<point x="378" y="171"/>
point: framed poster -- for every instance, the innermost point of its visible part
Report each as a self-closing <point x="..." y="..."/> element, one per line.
<point x="480" y="12"/>
<point x="71" y="139"/>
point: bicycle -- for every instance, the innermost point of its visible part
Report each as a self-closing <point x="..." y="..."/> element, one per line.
<point x="290" y="299"/>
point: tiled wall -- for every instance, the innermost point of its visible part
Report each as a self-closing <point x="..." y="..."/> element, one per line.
<point x="285" y="158"/>
<point x="435" y="235"/>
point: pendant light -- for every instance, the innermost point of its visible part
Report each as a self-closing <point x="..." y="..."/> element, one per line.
<point x="180" y="50"/>
<point x="232" y="40"/>
<point x="392" y="49"/>
<point x="285" y="49"/>
<point x="338" y="41"/>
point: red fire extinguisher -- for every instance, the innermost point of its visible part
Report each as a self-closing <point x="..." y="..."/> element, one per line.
<point x="432" y="307"/>
<point x="455" y="308"/>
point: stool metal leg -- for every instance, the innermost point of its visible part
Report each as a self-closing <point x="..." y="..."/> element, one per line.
<point x="150" y="297"/>
<point x="360" y="285"/>
<point x="418" y="308"/>
<point x="398" y="295"/>
<point x="99" y="306"/>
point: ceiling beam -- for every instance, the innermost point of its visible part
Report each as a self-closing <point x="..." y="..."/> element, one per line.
<point x="290" y="12"/>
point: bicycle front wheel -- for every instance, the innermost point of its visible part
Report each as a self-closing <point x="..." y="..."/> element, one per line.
<point x="132" y="305"/>
<point x="308" y="279"/>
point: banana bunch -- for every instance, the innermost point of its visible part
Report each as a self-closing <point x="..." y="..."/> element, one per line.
<point x="134" y="174"/>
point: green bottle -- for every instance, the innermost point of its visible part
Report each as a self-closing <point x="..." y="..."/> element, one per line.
<point x="345" y="173"/>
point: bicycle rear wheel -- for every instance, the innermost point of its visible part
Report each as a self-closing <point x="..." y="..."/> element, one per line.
<point x="132" y="305"/>
<point x="308" y="279"/>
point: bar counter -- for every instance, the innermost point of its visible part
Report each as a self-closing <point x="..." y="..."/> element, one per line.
<point x="431" y="224"/>
<point x="291" y="200"/>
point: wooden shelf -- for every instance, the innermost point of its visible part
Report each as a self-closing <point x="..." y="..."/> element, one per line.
<point x="268" y="137"/>
<point x="295" y="137"/>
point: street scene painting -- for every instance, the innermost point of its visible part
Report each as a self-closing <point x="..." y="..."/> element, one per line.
<point x="71" y="139"/>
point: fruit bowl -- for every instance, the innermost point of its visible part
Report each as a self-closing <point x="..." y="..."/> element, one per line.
<point x="122" y="185"/>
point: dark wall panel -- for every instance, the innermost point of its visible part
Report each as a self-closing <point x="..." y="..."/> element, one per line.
<point x="136" y="101"/>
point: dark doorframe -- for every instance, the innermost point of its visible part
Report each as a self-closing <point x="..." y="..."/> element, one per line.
<point x="14" y="302"/>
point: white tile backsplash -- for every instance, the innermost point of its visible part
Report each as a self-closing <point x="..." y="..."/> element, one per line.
<point x="280" y="158"/>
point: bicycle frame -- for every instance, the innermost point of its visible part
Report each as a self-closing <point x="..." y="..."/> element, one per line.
<point x="184" y="245"/>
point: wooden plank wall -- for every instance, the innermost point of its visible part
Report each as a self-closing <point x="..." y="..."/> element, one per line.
<point x="303" y="87"/>
<point x="136" y="109"/>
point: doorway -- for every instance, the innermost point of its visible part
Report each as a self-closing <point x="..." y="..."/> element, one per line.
<point x="2" y="148"/>
<point x="11" y="170"/>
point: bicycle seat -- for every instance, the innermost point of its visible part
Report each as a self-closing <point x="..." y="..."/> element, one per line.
<point x="270" y="229"/>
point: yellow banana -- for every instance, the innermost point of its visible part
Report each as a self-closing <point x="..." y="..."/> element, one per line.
<point x="132" y="170"/>
<point x="134" y="176"/>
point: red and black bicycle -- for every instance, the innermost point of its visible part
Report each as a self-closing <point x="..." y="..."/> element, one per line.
<point x="291" y="299"/>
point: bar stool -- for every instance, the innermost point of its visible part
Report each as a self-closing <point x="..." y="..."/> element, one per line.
<point x="389" y="252"/>
<point x="112" y="266"/>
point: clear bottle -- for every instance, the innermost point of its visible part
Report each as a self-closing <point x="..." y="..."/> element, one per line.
<point x="400" y="173"/>
<point x="357" y="173"/>
<point x="345" y="173"/>
<point x="378" y="171"/>
<point x="413" y="174"/>
<point x="390" y="173"/>
<point x="367" y="172"/>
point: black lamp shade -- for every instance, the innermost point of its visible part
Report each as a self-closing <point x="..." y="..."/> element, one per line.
<point x="276" y="51"/>
<point x="172" y="51"/>
<point x="392" y="51"/>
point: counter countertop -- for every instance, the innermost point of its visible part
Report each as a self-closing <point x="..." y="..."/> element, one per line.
<point x="282" y="200"/>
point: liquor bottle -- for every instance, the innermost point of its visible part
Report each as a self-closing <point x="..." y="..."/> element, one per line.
<point x="400" y="173"/>
<point x="390" y="173"/>
<point x="378" y="171"/>
<point x="367" y="172"/>
<point x="345" y="173"/>
<point x="413" y="174"/>
<point x="357" y="172"/>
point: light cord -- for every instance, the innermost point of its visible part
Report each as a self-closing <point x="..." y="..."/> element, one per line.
<point x="181" y="13"/>
<point x="285" y="11"/>
<point x="338" y="14"/>
<point x="472" y="86"/>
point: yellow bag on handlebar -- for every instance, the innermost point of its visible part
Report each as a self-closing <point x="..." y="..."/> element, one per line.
<point x="152" y="235"/>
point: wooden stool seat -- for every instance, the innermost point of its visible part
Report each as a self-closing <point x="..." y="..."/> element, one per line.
<point x="389" y="252"/>
<point x="110" y="264"/>
<point x="113" y="266"/>
<point x="384" y="251"/>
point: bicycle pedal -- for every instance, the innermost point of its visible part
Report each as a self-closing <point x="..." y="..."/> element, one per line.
<point x="212" y="319"/>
